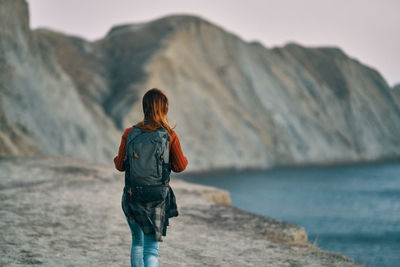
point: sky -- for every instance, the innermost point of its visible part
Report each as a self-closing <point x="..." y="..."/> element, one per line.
<point x="367" y="30"/>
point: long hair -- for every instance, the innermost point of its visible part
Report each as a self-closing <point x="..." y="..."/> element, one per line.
<point x="155" y="109"/>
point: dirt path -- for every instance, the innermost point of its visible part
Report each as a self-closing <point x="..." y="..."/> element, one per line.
<point x="67" y="212"/>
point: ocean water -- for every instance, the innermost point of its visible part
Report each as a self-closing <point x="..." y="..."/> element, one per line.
<point x="350" y="209"/>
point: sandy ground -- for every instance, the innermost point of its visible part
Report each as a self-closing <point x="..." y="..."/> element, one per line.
<point x="66" y="212"/>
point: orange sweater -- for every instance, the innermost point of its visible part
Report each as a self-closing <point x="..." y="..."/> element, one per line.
<point x="176" y="157"/>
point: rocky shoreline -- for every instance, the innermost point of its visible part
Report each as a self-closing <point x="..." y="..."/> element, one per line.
<point x="59" y="211"/>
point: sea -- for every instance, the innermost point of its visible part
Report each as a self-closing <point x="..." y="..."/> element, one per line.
<point x="351" y="209"/>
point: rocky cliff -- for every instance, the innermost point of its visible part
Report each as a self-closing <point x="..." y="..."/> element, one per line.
<point x="395" y="92"/>
<point x="236" y="104"/>
<point x="41" y="107"/>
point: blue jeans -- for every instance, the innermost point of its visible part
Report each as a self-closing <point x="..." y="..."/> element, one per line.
<point x="144" y="250"/>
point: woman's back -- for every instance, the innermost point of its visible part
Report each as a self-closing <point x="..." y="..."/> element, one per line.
<point x="147" y="216"/>
<point x="177" y="158"/>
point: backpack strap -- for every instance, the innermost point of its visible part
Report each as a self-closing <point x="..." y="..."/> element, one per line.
<point x="166" y="166"/>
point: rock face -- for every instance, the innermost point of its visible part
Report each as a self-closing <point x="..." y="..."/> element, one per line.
<point x="58" y="211"/>
<point x="396" y="92"/>
<point x="236" y="104"/>
<point x="41" y="107"/>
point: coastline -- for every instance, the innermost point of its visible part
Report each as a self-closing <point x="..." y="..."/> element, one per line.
<point x="75" y="218"/>
<point x="338" y="164"/>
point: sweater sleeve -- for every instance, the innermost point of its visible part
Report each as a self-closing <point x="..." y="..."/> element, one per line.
<point x="177" y="158"/>
<point x="120" y="158"/>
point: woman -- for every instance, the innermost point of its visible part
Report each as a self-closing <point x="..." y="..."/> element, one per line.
<point x="145" y="240"/>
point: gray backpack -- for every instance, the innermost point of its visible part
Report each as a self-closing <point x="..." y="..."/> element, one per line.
<point x="148" y="168"/>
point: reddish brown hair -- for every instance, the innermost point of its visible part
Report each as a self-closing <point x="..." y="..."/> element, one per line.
<point x="155" y="109"/>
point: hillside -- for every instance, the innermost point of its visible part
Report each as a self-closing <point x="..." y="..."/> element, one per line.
<point x="249" y="105"/>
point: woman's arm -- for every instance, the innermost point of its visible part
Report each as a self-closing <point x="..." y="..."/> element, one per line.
<point x="120" y="158"/>
<point x="177" y="159"/>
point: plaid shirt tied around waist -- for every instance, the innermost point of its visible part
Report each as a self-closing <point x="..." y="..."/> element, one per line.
<point x="153" y="217"/>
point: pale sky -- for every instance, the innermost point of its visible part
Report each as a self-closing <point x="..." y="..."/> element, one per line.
<point x="368" y="30"/>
